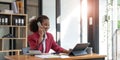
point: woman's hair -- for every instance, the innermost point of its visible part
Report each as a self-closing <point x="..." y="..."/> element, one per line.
<point x="33" y="23"/>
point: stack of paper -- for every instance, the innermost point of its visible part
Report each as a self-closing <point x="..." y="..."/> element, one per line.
<point x="51" y="56"/>
<point x="48" y="56"/>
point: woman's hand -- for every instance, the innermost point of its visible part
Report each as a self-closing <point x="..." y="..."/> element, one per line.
<point x="41" y="31"/>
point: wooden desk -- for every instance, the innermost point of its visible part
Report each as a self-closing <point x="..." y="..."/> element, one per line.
<point x="84" y="57"/>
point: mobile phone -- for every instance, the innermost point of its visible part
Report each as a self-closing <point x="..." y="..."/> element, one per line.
<point x="39" y="24"/>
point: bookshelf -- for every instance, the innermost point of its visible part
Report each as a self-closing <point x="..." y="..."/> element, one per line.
<point x="17" y="35"/>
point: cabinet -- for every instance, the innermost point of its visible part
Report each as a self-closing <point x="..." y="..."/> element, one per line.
<point x="15" y="37"/>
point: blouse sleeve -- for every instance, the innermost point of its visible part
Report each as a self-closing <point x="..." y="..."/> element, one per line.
<point x="56" y="47"/>
<point x="32" y="43"/>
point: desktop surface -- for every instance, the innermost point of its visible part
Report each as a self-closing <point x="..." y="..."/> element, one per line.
<point x="84" y="57"/>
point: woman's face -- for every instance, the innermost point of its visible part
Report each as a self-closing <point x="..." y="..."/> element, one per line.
<point x="46" y="24"/>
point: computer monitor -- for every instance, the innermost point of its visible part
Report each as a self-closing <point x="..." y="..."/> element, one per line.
<point x="79" y="49"/>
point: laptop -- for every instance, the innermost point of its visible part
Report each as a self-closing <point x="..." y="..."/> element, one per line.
<point x="79" y="49"/>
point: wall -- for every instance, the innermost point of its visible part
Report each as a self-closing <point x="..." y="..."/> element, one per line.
<point x="32" y="8"/>
<point x="70" y="23"/>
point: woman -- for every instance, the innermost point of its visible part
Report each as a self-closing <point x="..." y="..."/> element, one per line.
<point x="41" y="39"/>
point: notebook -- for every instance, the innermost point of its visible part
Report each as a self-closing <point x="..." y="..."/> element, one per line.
<point x="79" y="49"/>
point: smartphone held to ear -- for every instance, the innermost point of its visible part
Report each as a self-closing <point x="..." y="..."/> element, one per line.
<point x="39" y="24"/>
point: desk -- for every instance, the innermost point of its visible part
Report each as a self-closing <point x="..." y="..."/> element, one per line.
<point x="84" y="57"/>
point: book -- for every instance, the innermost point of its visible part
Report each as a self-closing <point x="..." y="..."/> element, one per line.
<point x="15" y="7"/>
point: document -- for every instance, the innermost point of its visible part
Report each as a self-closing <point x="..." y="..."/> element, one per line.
<point x="52" y="56"/>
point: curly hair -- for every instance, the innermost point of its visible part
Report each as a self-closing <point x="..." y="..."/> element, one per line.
<point x="33" y="23"/>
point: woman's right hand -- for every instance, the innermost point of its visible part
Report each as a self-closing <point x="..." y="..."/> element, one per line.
<point x="41" y="31"/>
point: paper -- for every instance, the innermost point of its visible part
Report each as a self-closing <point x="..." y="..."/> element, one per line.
<point x="34" y="52"/>
<point x="51" y="56"/>
<point x="64" y="56"/>
<point x="47" y="56"/>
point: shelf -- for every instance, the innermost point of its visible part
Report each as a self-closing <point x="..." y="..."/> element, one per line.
<point x="10" y="26"/>
<point x="11" y="38"/>
<point x="5" y="13"/>
<point x="4" y="2"/>
<point x="17" y="52"/>
<point x="11" y="50"/>
<point x="17" y="14"/>
<point x="15" y="37"/>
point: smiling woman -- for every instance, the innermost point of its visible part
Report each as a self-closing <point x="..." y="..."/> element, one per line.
<point x="41" y="39"/>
